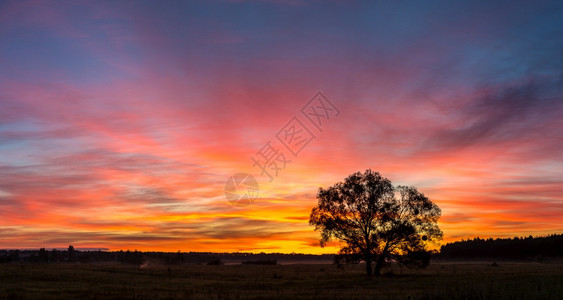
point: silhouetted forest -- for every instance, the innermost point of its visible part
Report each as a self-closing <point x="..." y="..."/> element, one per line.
<point x="517" y="248"/>
<point x="537" y="248"/>
<point x="71" y="255"/>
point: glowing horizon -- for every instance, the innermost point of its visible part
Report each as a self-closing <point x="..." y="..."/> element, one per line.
<point x="120" y="123"/>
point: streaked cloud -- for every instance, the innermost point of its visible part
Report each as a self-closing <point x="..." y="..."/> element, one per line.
<point x="121" y="121"/>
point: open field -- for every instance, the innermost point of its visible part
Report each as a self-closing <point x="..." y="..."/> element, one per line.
<point x="438" y="281"/>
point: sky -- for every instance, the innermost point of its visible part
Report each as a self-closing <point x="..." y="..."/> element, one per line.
<point x="123" y="122"/>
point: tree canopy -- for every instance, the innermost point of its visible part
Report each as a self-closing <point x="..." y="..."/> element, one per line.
<point x="376" y="222"/>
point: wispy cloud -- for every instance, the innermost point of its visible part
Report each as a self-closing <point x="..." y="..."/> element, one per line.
<point x="120" y="123"/>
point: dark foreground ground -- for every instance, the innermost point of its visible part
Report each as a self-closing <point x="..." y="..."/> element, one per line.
<point x="438" y="281"/>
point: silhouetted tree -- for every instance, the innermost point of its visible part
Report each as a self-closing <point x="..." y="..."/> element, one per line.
<point x="376" y="222"/>
<point x="71" y="254"/>
<point x="43" y="255"/>
<point x="506" y="248"/>
<point x="55" y="255"/>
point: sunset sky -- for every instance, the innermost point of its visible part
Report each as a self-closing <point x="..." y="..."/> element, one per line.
<point x="121" y="121"/>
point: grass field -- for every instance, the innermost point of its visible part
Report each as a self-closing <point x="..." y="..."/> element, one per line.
<point x="438" y="281"/>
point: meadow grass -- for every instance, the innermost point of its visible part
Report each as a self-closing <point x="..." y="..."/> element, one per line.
<point x="438" y="281"/>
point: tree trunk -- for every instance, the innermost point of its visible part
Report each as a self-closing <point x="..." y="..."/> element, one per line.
<point x="368" y="266"/>
<point x="379" y="265"/>
<point x="381" y="259"/>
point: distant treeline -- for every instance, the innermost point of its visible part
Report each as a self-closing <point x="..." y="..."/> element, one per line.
<point x="157" y="258"/>
<point x="518" y="248"/>
<point x="537" y="248"/>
